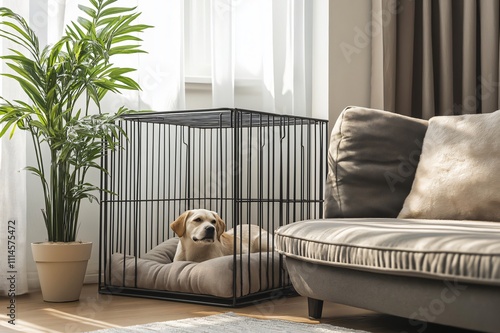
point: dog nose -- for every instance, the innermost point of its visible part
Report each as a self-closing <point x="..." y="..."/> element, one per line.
<point x="209" y="230"/>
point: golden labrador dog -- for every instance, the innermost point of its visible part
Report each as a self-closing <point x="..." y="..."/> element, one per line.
<point x="202" y="236"/>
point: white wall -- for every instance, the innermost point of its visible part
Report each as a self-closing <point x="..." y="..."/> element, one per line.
<point x="341" y="77"/>
<point x="350" y="55"/>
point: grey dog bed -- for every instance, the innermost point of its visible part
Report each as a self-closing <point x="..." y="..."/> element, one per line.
<point x="156" y="270"/>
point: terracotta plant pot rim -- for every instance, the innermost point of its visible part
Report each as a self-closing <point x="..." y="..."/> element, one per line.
<point x="72" y="251"/>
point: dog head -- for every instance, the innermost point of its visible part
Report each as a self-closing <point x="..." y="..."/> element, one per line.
<point x="199" y="225"/>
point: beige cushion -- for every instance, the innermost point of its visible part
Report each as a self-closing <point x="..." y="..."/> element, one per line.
<point x="467" y="251"/>
<point x="214" y="277"/>
<point x="458" y="176"/>
<point x="372" y="160"/>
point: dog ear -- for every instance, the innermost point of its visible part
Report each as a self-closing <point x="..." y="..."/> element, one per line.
<point x="179" y="225"/>
<point x="220" y="225"/>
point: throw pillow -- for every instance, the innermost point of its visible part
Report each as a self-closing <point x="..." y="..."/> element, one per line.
<point x="372" y="159"/>
<point x="458" y="175"/>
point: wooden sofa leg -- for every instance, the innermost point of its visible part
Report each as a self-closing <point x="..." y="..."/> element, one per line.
<point x="315" y="308"/>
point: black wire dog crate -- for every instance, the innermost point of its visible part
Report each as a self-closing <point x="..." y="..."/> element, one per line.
<point x="250" y="167"/>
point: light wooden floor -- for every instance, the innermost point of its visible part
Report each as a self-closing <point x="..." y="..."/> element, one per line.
<point x="95" y="311"/>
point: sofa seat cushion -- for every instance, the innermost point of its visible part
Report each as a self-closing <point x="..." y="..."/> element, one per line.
<point x="467" y="251"/>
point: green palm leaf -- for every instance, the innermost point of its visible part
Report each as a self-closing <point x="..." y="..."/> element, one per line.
<point x="54" y="79"/>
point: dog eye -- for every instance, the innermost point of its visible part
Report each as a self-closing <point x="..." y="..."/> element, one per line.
<point x="213" y="221"/>
<point x="197" y="219"/>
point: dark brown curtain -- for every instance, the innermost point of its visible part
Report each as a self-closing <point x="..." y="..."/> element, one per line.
<point x="435" y="57"/>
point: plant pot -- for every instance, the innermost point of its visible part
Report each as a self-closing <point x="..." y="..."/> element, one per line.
<point x="61" y="269"/>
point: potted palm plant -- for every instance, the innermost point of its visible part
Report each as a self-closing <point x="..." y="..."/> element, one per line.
<point x="64" y="84"/>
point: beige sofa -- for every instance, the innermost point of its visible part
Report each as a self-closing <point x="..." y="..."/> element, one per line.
<point x="412" y="221"/>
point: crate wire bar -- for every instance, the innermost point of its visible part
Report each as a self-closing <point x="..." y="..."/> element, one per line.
<point x="251" y="167"/>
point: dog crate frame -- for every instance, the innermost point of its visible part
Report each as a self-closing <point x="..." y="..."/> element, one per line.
<point x="262" y="167"/>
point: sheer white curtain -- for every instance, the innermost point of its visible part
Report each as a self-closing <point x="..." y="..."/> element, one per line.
<point x="261" y="55"/>
<point x="160" y="71"/>
<point x="12" y="187"/>
<point x="255" y="53"/>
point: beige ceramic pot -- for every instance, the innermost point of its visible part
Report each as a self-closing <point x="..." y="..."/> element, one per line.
<point x="61" y="269"/>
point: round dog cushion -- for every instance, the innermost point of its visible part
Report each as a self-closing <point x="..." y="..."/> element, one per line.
<point x="156" y="270"/>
